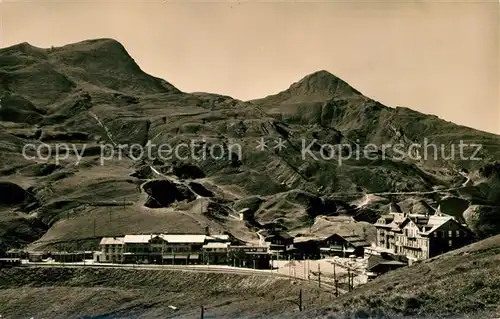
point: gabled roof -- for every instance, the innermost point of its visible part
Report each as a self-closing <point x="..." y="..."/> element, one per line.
<point x="111" y="241"/>
<point x="426" y="224"/>
<point x="392" y="220"/>
<point x="223" y="237"/>
<point x="437" y="221"/>
<point x="375" y="260"/>
<point x="137" y="239"/>
<point x="305" y="239"/>
<point x="355" y="240"/>
<point x="171" y="238"/>
<point x="272" y="234"/>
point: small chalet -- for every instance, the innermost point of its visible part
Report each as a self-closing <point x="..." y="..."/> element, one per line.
<point x="343" y="246"/>
<point x="306" y="247"/>
<point x="277" y="241"/>
<point x="380" y="264"/>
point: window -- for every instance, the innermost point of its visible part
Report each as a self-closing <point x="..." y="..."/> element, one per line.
<point x="450" y="243"/>
<point x="435" y="234"/>
<point x="450" y="233"/>
<point x="457" y="233"/>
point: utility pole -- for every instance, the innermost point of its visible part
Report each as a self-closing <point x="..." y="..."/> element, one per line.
<point x="94" y="227"/>
<point x="123" y="203"/>
<point x="304" y="266"/>
<point x="352" y="280"/>
<point x="319" y="276"/>
<point x="349" y="279"/>
<point x="109" y="212"/>
<point x="335" y="281"/>
<point x="289" y="267"/>
<point x="300" y="300"/>
<point x="308" y="270"/>
<point x="202" y="312"/>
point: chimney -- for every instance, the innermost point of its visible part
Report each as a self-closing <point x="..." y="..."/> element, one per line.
<point x="207" y="230"/>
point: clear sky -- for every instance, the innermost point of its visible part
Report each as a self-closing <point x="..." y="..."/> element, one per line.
<point x="436" y="57"/>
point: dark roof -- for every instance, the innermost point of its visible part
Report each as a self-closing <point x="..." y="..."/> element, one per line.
<point x="271" y="234"/>
<point x="354" y="240"/>
<point x="386" y="259"/>
<point x="285" y="235"/>
<point x="376" y="260"/>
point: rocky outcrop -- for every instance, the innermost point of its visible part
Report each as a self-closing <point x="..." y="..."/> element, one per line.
<point x="200" y="190"/>
<point x="187" y="171"/>
<point x="12" y="194"/>
<point x="252" y="203"/>
<point x="483" y="220"/>
<point x="454" y="206"/>
<point x="162" y="193"/>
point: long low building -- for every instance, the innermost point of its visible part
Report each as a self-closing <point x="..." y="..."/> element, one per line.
<point x="171" y="249"/>
<point x="156" y="248"/>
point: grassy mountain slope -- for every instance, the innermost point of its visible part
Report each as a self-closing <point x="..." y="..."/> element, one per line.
<point x="465" y="281"/>
<point x="93" y="92"/>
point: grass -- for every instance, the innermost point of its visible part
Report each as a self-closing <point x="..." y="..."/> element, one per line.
<point x="464" y="281"/>
<point x="125" y="293"/>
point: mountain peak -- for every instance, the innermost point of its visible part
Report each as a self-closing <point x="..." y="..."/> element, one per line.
<point x="97" y="44"/>
<point x="321" y="74"/>
<point x="23" y="48"/>
<point x="322" y="83"/>
<point x="108" y="63"/>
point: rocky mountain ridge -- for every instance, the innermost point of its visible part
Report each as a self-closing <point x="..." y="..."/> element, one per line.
<point x="92" y="93"/>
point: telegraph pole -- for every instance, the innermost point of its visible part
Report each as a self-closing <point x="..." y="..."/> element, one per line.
<point x="202" y="312"/>
<point x="336" y="281"/>
<point x="352" y="280"/>
<point x="308" y="270"/>
<point x="349" y="279"/>
<point x="94" y="227"/>
<point x="319" y="276"/>
<point x="300" y="300"/>
<point x="289" y="267"/>
<point x="304" y="266"/>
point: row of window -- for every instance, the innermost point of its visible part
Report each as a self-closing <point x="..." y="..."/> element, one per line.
<point x="113" y="258"/>
<point x="439" y="233"/>
<point x="450" y="233"/>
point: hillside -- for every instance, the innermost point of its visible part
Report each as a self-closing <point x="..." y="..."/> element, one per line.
<point x="458" y="283"/>
<point x="128" y="293"/>
<point x="92" y="93"/>
<point x="461" y="284"/>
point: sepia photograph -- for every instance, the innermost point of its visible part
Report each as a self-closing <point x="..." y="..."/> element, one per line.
<point x="280" y="159"/>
